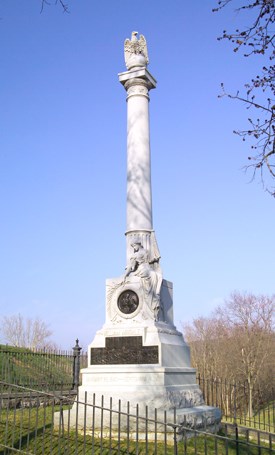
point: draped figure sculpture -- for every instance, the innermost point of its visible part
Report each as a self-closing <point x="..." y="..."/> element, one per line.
<point x="151" y="278"/>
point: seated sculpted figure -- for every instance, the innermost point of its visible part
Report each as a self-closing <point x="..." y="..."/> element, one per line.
<point x="151" y="279"/>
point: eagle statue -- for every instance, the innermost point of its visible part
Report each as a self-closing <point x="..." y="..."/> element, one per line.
<point x="135" y="51"/>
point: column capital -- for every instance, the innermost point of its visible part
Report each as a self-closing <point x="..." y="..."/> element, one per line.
<point x="137" y="76"/>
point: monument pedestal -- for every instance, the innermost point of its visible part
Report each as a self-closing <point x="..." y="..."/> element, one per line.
<point x="136" y="360"/>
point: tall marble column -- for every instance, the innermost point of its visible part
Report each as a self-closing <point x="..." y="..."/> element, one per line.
<point x="139" y="356"/>
<point x="137" y="81"/>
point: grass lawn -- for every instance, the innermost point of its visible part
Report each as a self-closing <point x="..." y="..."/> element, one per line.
<point x="24" y="367"/>
<point x="31" y="431"/>
<point x="262" y="420"/>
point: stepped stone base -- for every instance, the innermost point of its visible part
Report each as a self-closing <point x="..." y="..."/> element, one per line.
<point x="152" y="423"/>
<point x="139" y="366"/>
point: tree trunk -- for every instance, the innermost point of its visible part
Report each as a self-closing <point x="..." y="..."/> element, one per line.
<point x="250" y="398"/>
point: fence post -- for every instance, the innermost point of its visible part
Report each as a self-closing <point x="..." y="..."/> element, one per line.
<point x="76" y="365"/>
<point x="237" y="438"/>
<point x="235" y="402"/>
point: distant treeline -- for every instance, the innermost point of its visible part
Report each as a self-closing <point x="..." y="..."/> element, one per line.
<point x="237" y="346"/>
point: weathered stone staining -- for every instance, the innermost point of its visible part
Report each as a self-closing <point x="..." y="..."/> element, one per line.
<point x="138" y="355"/>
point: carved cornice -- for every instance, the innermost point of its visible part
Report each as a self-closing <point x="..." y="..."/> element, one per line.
<point x="166" y="330"/>
<point x="138" y="75"/>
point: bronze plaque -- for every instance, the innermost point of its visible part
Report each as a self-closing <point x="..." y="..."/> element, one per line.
<point x="124" y="350"/>
<point x="127" y="302"/>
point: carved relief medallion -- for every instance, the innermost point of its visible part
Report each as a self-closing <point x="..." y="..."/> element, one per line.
<point x="127" y="302"/>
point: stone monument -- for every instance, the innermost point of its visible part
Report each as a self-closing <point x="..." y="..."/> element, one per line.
<point x="138" y="355"/>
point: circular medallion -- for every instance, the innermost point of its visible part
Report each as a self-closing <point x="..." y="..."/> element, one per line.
<point x="127" y="302"/>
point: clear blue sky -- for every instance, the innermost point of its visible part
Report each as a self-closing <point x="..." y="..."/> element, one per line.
<point x="63" y="160"/>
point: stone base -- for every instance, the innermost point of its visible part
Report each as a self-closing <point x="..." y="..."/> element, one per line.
<point x="148" y="385"/>
<point x="125" y="419"/>
<point x="143" y="391"/>
<point x="204" y="418"/>
<point x="139" y="369"/>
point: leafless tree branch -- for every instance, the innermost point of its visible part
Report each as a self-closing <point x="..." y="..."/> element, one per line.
<point x="236" y="343"/>
<point x="28" y="333"/>
<point x="64" y="5"/>
<point x="259" y="37"/>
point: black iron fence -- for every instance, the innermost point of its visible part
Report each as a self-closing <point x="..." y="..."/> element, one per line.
<point x="60" y="371"/>
<point x="234" y="402"/>
<point x="32" y="422"/>
<point x="46" y="370"/>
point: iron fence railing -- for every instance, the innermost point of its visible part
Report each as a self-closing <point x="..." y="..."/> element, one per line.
<point x="60" y="371"/>
<point x="233" y="400"/>
<point x="32" y="422"/>
<point x="46" y="370"/>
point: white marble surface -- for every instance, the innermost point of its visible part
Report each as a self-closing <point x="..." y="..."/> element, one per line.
<point x="148" y="313"/>
<point x="138" y="82"/>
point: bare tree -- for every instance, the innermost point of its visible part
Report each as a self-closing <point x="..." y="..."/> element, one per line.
<point x="258" y="39"/>
<point x="236" y="343"/>
<point x="206" y="337"/>
<point x="28" y="333"/>
<point x="63" y="5"/>
<point x="250" y="321"/>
